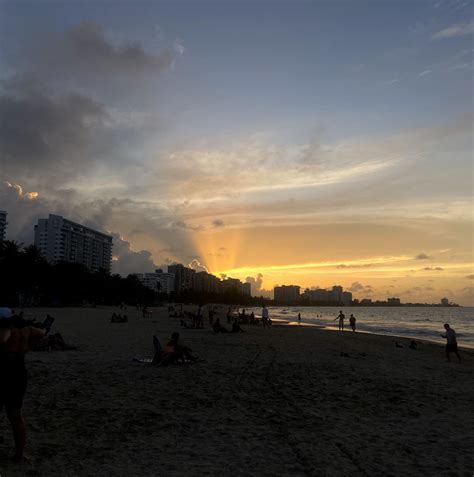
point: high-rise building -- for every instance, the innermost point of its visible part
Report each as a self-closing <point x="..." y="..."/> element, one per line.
<point x="60" y="239"/>
<point x="183" y="277"/>
<point x="393" y="301"/>
<point x="158" y="281"/>
<point x="205" y="282"/>
<point x="3" y="225"/>
<point x="335" y="295"/>
<point x="286" y="293"/>
<point x="346" y="298"/>
<point x="246" y="289"/>
<point x="234" y="285"/>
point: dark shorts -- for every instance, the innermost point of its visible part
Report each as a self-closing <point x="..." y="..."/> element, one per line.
<point x="452" y="348"/>
<point x="13" y="389"/>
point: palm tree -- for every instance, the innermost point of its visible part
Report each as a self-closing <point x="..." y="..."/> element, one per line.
<point x="10" y="249"/>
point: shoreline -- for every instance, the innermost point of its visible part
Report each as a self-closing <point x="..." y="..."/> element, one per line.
<point x="332" y="403"/>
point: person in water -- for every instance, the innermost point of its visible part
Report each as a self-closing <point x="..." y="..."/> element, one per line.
<point x="15" y="341"/>
<point x="341" y="317"/>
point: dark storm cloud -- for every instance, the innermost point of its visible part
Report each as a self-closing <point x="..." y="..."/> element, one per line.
<point x="85" y="52"/>
<point x="40" y="133"/>
<point x="128" y="261"/>
<point x="422" y="256"/>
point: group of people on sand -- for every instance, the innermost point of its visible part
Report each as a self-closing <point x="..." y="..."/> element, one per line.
<point x="195" y="320"/>
<point x="118" y="318"/>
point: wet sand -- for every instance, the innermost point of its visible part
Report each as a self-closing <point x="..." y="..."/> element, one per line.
<point x="266" y="402"/>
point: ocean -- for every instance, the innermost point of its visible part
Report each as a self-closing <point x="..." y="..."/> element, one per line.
<point x="411" y="322"/>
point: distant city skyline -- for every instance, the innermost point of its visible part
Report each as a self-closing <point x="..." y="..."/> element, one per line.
<point x="273" y="142"/>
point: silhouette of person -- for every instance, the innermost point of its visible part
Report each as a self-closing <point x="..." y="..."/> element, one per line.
<point x="15" y="341"/>
<point x="451" y="342"/>
<point x="352" y="322"/>
<point x="265" y="316"/>
<point x="341" y="317"/>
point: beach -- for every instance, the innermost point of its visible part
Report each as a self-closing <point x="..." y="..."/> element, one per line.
<point x="287" y="401"/>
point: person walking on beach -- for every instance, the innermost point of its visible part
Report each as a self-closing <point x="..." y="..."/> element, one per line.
<point x="299" y="318"/>
<point x="15" y="341"/>
<point x="265" y="316"/>
<point x="341" y="317"/>
<point x="229" y="314"/>
<point x="352" y="322"/>
<point x="451" y="342"/>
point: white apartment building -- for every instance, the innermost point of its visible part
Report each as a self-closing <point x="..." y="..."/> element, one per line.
<point x="60" y="239"/>
<point x="3" y="225"/>
<point x="158" y="281"/>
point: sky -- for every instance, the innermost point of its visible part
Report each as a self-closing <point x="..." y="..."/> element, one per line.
<point x="303" y="143"/>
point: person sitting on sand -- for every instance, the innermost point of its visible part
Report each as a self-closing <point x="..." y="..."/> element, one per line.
<point x="14" y="343"/>
<point x="236" y="328"/>
<point x="451" y="342"/>
<point x="174" y="352"/>
<point x="352" y="322"/>
<point x="341" y="317"/>
<point x="265" y="316"/>
<point x="217" y="327"/>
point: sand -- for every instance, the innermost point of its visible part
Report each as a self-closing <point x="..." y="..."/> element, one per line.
<point x="270" y="403"/>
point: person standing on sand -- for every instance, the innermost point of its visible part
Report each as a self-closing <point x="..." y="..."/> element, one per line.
<point x="299" y="318"/>
<point x="341" y="317"/>
<point x="265" y="316"/>
<point x="352" y="322"/>
<point x="451" y="342"/>
<point x="199" y="322"/>
<point x="15" y="341"/>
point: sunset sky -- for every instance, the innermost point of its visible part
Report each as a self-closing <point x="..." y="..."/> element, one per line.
<point x="307" y="143"/>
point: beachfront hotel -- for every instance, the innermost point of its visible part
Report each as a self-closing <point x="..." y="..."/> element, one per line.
<point x="158" y="281"/>
<point x="286" y="293"/>
<point x="3" y="225"/>
<point x="60" y="239"/>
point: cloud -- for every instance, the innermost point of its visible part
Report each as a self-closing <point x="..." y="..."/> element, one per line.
<point x="365" y="265"/>
<point x="85" y="52"/>
<point x="256" y="286"/>
<point x="19" y="191"/>
<point x="459" y="29"/>
<point x="470" y="277"/>
<point x="357" y="287"/>
<point x="422" y="256"/>
<point x="181" y="224"/>
<point x="45" y="135"/>
<point x="433" y="268"/>
<point x="126" y="260"/>
<point x="218" y="223"/>
<point x="423" y="73"/>
<point x="195" y="264"/>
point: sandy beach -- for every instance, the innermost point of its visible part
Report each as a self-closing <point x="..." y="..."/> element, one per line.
<point x="287" y="401"/>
